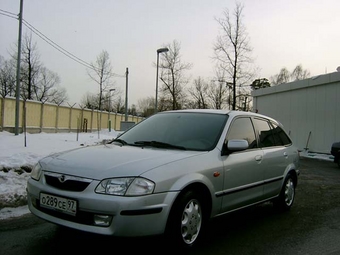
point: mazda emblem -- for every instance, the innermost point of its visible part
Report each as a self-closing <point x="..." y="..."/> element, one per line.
<point x="62" y="178"/>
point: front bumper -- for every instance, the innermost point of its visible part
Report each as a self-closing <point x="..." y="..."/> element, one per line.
<point x="131" y="216"/>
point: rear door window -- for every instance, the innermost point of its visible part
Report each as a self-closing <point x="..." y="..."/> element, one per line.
<point x="266" y="137"/>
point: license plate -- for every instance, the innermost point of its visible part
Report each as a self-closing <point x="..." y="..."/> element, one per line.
<point x="62" y="204"/>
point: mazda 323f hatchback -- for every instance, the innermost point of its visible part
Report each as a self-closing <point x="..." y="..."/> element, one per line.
<point x="168" y="175"/>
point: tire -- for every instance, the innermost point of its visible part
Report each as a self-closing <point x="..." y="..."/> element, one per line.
<point x="186" y="221"/>
<point x="287" y="195"/>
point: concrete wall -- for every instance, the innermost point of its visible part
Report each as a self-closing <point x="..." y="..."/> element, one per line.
<point x="307" y="108"/>
<point x="38" y="117"/>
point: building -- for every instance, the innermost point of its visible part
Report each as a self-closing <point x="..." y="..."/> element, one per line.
<point x="309" y="110"/>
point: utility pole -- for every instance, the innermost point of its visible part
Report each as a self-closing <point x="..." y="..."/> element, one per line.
<point x="161" y="50"/>
<point x="126" y="95"/>
<point x="17" y="101"/>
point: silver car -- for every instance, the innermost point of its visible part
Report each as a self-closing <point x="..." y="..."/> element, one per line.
<point x="168" y="175"/>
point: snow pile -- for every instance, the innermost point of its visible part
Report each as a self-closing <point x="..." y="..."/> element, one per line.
<point x="17" y="160"/>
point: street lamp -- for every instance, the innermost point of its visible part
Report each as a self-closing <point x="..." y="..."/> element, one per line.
<point x="158" y="51"/>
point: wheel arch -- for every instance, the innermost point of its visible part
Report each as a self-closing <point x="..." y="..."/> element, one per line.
<point x="292" y="170"/>
<point x="202" y="191"/>
<point x="294" y="175"/>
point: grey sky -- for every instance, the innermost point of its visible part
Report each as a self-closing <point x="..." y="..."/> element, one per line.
<point x="283" y="33"/>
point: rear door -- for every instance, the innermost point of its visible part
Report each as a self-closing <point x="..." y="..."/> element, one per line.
<point x="275" y="145"/>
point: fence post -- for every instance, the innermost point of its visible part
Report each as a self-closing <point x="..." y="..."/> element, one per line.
<point x="91" y="121"/>
<point x="2" y="114"/>
<point x="57" y="119"/>
<point x="115" y="121"/>
<point x="70" y="118"/>
<point x="82" y="119"/>
<point x="41" y="116"/>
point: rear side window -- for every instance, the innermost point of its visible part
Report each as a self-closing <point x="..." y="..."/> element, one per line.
<point x="270" y="134"/>
<point x="281" y="138"/>
<point x="242" y="128"/>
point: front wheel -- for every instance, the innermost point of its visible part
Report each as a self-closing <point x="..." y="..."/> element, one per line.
<point x="286" y="198"/>
<point x="186" y="220"/>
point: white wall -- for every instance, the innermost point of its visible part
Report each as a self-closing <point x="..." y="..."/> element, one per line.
<point x="311" y="105"/>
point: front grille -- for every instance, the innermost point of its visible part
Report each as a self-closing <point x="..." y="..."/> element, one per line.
<point x="68" y="183"/>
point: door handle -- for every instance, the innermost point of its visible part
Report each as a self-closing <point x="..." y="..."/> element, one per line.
<point x="258" y="157"/>
<point x="285" y="154"/>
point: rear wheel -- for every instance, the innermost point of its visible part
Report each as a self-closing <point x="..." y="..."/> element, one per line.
<point x="285" y="201"/>
<point x="186" y="220"/>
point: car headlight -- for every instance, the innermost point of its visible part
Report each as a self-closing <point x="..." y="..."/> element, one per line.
<point x="36" y="172"/>
<point x="127" y="186"/>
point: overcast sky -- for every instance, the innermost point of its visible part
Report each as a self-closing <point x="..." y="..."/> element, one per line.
<point x="283" y="33"/>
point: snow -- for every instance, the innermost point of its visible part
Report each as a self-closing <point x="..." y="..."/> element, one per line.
<point x="21" y="152"/>
<point x="15" y="156"/>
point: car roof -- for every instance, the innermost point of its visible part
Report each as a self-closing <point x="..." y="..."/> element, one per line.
<point x="231" y="113"/>
<point x="218" y="111"/>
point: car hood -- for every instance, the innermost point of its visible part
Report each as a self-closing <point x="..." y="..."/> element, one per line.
<point x="106" y="161"/>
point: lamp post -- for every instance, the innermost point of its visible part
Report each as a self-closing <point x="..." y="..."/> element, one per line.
<point x="228" y="85"/>
<point x="110" y="108"/>
<point x="158" y="51"/>
<point x="110" y="98"/>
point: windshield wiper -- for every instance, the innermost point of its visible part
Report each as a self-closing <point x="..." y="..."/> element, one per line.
<point x="119" y="141"/>
<point x="159" y="145"/>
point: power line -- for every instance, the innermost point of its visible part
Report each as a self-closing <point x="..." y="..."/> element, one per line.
<point x="55" y="45"/>
<point x="62" y="50"/>
<point x="8" y="14"/>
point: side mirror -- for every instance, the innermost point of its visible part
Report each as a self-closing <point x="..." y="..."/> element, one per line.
<point x="235" y="145"/>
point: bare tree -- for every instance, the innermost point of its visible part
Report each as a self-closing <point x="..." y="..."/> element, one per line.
<point x="173" y="76"/>
<point x="146" y="106"/>
<point x="285" y="76"/>
<point x="299" y="73"/>
<point x="89" y="101"/>
<point x="133" y="110"/>
<point x="232" y="50"/>
<point x="38" y="82"/>
<point x="217" y="94"/>
<point x="42" y="88"/>
<point x="199" y="93"/>
<point x="30" y="67"/>
<point x="101" y="73"/>
<point x="282" y="77"/>
<point x="58" y="95"/>
<point x="109" y="100"/>
<point x="7" y="77"/>
<point x="119" y="105"/>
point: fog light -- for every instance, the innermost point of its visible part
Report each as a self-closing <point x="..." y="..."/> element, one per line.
<point x="102" y="220"/>
<point x="34" y="202"/>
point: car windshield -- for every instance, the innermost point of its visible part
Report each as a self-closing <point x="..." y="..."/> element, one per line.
<point x="177" y="130"/>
